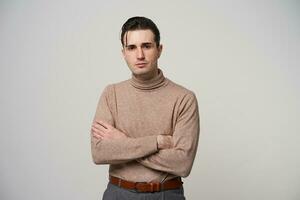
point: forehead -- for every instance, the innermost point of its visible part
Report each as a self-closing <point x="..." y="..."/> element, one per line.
<point x="139" y="36"/>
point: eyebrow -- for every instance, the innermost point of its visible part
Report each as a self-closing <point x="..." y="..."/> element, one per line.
<point x="144" y="43"/>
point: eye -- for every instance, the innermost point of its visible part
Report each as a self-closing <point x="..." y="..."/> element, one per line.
<point x="147" y="46"/>
<point x="130" y="47"/>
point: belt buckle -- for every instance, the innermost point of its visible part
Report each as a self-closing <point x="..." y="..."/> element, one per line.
<point x="155" y="187"/>
<point x="120" y="182"/>
<point x="148" y="187"/>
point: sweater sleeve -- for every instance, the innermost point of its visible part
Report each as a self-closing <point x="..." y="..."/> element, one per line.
<point x="117" y="150"/>
<point x="179" y="159"/>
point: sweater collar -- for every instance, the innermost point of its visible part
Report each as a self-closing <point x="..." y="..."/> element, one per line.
<point x="150" y="84"/>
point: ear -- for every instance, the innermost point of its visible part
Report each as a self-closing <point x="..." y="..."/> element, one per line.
<point x="160" y="48"/>
<point x="123" y="52"/>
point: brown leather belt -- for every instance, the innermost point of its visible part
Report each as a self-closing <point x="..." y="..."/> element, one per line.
<point x="147" y="187"/>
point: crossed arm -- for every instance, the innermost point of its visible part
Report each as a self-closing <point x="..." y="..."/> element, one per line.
<point x="104" y="131"/>
<point x="116" y="147"/>
<point x="173" y="154"/>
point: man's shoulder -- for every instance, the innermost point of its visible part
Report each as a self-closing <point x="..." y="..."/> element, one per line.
<point x="111" y="86"/>
<point x="171" y="88"/>
<point x="180" y="89"/>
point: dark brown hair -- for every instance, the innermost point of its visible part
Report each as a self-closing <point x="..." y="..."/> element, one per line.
<point x="140" y="23"/>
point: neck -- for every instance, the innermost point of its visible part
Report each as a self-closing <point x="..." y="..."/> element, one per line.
<point x="148" y="76"/>
<point x="154" y="81"/>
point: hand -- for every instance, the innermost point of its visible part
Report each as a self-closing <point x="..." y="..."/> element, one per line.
<point x="164" y="141"/>
<point x="104" y="131"/>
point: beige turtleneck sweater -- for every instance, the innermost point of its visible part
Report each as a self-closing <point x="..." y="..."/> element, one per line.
<point x="143" y="110"/>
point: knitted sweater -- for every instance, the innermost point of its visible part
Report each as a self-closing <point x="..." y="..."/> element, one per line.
<point x="143" y="110"/>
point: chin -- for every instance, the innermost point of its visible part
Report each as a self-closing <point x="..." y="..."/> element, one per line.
<point x="139" y="71"/>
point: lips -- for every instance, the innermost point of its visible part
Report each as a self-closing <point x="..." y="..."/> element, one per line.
<point x="140" y="64"/>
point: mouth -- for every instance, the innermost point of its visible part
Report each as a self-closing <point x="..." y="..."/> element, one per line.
<point x="140" y="65"/>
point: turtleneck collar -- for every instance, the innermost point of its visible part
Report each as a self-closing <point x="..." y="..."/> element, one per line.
<point x="149" y="84"/>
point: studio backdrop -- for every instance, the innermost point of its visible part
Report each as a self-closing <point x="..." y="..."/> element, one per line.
<point x="241" y="58"/>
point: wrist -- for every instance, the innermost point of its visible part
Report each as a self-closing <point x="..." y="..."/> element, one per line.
<point x="158" y="142"/>
<point x="164" y="142"/>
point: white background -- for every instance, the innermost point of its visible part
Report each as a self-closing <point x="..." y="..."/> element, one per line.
<point x="241" y="58"/>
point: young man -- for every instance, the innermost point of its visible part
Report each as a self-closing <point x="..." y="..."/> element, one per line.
<point x="146" y="128"/>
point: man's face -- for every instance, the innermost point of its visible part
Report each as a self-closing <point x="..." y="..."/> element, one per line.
<point x="141" y="53"/>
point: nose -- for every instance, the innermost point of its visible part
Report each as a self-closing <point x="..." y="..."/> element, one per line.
<point x="140" y="54"/>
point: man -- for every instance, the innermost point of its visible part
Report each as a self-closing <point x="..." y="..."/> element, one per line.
<point x="147" y="127"/>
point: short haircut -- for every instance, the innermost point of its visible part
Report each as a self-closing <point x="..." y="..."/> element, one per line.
<point x="140" y="23"/>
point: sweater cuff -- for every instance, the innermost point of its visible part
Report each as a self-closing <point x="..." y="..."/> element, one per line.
<point x="151" y="143"/>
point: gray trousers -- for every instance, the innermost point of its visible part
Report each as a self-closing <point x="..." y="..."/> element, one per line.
<point x="114" y="192"/>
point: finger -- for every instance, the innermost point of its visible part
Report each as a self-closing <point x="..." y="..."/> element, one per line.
<point x="99" y="132"/>
<point x="95" y="123"/>
<point x="96" y="136"/>
<point x="99" y="128"/>
<point x="104" y="124"/>
<point x="98" y="122"/>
